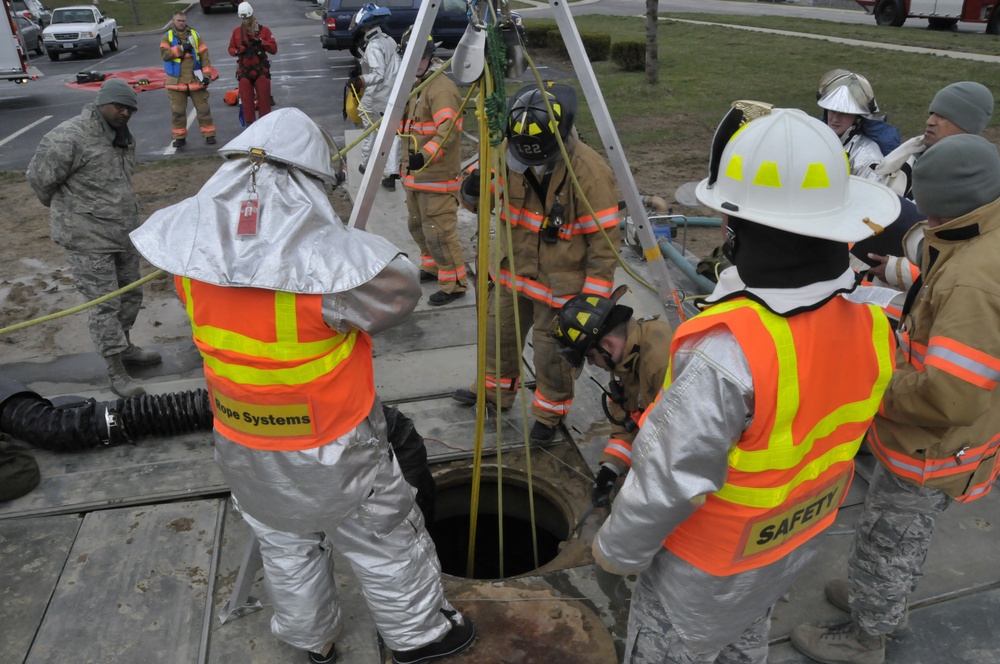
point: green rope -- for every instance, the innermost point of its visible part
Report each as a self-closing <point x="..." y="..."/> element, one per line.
<point x="496" y="103"/>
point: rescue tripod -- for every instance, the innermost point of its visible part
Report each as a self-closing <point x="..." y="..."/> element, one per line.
<point x="240" y="602"/>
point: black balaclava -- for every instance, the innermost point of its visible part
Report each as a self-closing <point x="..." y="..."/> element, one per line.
<point x="770" y="258"/>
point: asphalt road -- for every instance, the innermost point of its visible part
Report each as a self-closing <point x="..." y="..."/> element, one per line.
<point x="303" y="75"/>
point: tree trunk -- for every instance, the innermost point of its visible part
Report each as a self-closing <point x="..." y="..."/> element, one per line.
<point x="652" y="60"/>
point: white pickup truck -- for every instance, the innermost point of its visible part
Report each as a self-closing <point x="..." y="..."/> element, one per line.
<point x="14" y="63"/>
<point x="80" y="28"/>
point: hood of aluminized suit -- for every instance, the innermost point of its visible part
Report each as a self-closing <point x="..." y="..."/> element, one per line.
<point x="301" y="245"/>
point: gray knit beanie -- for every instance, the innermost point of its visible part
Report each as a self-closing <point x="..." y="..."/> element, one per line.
<point x="956" y="175"/>
<point x="117" y="91"/>
<point x="966" y="103"/>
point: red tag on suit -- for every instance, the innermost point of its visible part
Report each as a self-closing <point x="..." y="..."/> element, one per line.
<point x="248" y="218"/>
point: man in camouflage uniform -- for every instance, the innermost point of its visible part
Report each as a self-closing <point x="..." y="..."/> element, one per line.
<point x="82" y="170"/>
<point x="189" y="71"/>
<point x="935" y="436"/>
<point x="635" y="352"/>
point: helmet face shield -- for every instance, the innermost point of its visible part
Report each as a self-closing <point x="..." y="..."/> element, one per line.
<point x="369" y="16"/>
<point x="846" y="92"/>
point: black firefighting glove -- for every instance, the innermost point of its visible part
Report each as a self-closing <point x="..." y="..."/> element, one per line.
<point x="416" y="161"/>
<point x="356" y="83"/>
<point x="470" y="185"/>
<point x="600" y="493"/>
<point x="188" y="48"/>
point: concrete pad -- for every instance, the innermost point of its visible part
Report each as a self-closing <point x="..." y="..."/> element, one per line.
<point x="962" y="558"/>
<point x="152" y="470"/>
<point x="136" y="587"/>
<point x="248" y="640"/>
<point x="34" y="552"/>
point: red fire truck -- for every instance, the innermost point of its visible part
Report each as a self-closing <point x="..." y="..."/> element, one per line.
<point x="940" y="14"/>
<point x="14" y="64"/>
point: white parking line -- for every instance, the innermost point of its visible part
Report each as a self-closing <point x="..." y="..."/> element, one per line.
<point x="21" y="131"/>
<point x="170" y="149"/>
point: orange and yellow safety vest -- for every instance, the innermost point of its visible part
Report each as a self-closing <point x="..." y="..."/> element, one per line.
<point x="792" y="467"/>
<point x="279" y="377"/>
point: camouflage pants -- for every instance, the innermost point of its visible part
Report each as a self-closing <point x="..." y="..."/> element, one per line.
<point x="652" y="638"/>
<point x="890" y="544"/>
<point x="95" y="275"/>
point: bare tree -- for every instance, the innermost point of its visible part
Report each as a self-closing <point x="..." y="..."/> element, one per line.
<point x="652" y="59"/>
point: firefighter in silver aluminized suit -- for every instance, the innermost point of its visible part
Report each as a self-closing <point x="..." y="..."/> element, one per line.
<point x="283" y="299"/>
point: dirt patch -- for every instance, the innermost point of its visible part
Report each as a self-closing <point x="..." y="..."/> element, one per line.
<point x="35" y="280"/>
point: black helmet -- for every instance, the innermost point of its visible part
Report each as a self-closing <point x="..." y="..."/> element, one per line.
<point x="530" y="134"/>
<point x="584" y="320"/>
<point x="429" y="48"/>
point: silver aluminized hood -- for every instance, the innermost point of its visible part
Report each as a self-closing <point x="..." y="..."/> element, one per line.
<point x="301" y="246"/>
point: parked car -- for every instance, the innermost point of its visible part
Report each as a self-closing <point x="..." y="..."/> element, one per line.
<point x="449" y="25"/>
<point x="80" y="28"/>
<point x="209" y="6"/>
<point x="32" y="9"/>
<point x="31" y="35"/>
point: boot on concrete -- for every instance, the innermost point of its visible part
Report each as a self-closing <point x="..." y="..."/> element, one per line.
<point x="541" y="434"/>
<point x="837" y="592"/>
<point x="135" y="355"/>
<point x="839" y="644"/>
<point x="458" y="638"/>
<point x="121" y="383"/>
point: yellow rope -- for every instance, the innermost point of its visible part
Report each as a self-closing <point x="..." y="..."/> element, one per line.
<point x="77" y="309"/>
<point x="482" y="302"/>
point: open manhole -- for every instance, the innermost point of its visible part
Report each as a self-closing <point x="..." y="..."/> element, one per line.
<point x="450" y="530"/>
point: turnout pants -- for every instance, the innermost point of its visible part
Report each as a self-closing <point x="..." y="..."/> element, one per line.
<point x="96" y="275"/>
<point x="433" y="223"/>
<point x="258" y="88"/>
<point x="178" y="112"/>
<point x="890" y="544"/>
<point x="368" y="118"/>
<point x="553" y="377"/>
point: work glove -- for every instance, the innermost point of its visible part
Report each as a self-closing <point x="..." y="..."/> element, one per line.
<point x="357" y="84"/>
<point x="188" y="48"/>
<point x="470" y="185"/>
<point x="469" y="193"/>
<point x="600" y="492"/>
<point x="416" y="161"/>
<point x="611" y="579"/>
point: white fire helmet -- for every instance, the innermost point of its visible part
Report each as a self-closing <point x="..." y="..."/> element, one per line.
<point x="245" y="10"/>
<point x="789" y="171"/>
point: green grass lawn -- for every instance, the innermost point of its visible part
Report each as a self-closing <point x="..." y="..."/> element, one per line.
<point x="704" y="68"/>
